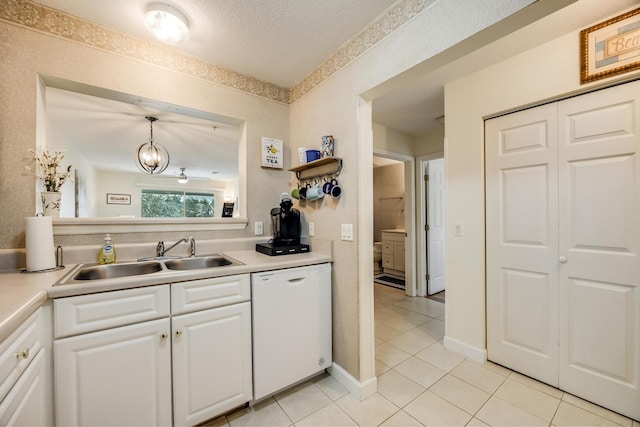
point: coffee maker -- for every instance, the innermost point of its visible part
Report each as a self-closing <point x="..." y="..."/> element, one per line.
<point x="285" y="223"/>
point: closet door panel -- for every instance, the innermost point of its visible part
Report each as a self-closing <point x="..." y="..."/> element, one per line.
<point x="522" y="206"/>
<point x="599" y="193"/>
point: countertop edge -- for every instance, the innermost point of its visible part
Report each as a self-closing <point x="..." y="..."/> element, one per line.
<point x="23" y="294"/>
<point x="29" y="306"/>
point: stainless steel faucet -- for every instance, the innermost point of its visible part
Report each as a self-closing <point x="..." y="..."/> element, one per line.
<point x="160" y="250"/>
<point x="192" y="242"/>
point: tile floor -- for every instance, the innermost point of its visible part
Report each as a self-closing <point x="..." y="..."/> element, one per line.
<point x="422" y="383"/>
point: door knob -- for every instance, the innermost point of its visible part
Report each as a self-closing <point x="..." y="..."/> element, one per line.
<point x="562" y="259"/>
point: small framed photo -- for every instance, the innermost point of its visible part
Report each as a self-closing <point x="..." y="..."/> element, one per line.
<point x="227" y="210"/>
<point x="118" y="199"/>
<point x="611" y="47"/>
<point x="272" y="153"/>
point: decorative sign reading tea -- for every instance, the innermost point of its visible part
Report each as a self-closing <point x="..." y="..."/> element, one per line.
<point x="272" y="153"/>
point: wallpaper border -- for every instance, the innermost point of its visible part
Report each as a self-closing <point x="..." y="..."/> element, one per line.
<point x="59" y="24"/>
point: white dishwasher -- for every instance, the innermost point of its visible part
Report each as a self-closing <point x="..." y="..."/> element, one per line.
<point x="291" y="326"/>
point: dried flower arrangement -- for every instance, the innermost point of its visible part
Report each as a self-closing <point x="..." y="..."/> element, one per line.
<point x="47" y="168"/>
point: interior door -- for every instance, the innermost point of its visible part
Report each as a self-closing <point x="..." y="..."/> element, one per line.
<point x="435" y="229"/>
<point x="522" y="242"/>
<point x="599" y="244"/>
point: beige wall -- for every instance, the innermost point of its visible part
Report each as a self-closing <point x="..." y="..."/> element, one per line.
<point x="388" y="199"/>
<point x="334" y="107"/>
<point x="547" y="72"/>
<point x="390" y="140"/>
<point x="430" y="142"/>
<point x="27" y="54"/>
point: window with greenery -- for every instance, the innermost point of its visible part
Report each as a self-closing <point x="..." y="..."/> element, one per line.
<point x="176" y="204"/>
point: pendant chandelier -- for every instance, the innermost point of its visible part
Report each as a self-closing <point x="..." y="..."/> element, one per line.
<point x="152" y="158"/>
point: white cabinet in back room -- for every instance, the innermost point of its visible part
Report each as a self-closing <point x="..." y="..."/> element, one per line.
<point x="393" y="251"/>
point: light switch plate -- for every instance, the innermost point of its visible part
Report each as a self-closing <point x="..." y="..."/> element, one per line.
<point x="312" y="229"/>
<point x="347" y="232"/>
<point x="459" y="230"/>
<point x="258" y="229"/>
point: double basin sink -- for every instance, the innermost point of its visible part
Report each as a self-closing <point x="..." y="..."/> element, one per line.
<point x="111" y="271"/>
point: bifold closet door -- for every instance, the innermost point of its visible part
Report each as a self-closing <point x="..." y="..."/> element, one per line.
<point x="563" y="236"/>
<point x="599" y="189"/>
<point x="522" y="242"/>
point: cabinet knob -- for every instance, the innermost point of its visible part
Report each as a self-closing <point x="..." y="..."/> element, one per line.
<point x="562" y="259"/>
<point x="24" y="354"/>
<point x="178" y="333"/>
<point x="163" y="336"/>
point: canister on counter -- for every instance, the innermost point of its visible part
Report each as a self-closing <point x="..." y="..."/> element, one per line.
<point x="327" y="146"/>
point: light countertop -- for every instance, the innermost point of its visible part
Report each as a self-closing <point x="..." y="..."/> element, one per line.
<point x="394" y="230"/>
<point x="23" y="293"/>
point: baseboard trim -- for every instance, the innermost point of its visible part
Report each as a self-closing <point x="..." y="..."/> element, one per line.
<point x="360" y="390"/>
<point x="474" y="353"/>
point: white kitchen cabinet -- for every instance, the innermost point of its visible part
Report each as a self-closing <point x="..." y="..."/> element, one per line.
<point x="25" y="399"/>
<point x="119" y="376"/>
<point x="26" y="403"/>
<point x="169" y="354"/>
<point x="211" y="362"/>
<point x="393" y="251"/>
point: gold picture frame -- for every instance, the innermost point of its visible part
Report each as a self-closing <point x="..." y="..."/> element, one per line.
<point x="611" y="47"/>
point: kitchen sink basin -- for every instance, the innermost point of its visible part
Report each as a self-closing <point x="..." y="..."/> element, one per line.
<point x="110" y="271"/>
<point x="198" y="262"/>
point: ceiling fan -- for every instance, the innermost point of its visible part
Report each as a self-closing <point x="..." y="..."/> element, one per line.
<point x="183" y="178"/>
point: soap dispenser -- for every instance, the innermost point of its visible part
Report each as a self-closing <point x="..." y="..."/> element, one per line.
<point x="107" y="251"/>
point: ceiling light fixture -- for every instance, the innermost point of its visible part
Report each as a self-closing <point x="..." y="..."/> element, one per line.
<point x="166" y="23"/>
<point x="182" y="178"/>
<point x="152" y="158"/>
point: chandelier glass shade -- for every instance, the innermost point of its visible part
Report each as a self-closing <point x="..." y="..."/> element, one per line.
<point x="152" y="158"/>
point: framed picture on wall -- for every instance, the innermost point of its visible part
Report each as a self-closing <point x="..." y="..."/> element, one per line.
<point x="272" y="153"/>
<point x="227" y="210"/>
<point x="611" y="47"/>
<point x="118" y="199"/>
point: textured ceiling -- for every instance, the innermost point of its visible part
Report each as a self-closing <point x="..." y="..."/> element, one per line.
<point x="279" y="41"/>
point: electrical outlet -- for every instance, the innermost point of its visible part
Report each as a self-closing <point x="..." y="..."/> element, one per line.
<point x="346" y="232"/>
<point x="259" y="231"/>
<point x="312" y="229"/>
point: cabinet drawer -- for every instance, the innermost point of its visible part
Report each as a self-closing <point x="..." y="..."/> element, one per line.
<point x="209" y="293"/>
<point x="393" y="237"/>
<point x="86" y="313"/>
<point x="387" y="261"/>
<point x="18" y="350"/>
<point x="387" y="247"/>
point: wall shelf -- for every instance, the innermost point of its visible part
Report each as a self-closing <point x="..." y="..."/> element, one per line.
<point x="317" y="168"/>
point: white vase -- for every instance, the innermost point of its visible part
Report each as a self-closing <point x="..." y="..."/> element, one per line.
<point x="51" y="203"/>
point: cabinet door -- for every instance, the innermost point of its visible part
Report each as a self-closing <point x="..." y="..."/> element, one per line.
<point x="26" y="403"/>
<point x="398" y="256"/>
<point x="211" y="362"/>
<point x="119" y="376"/>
